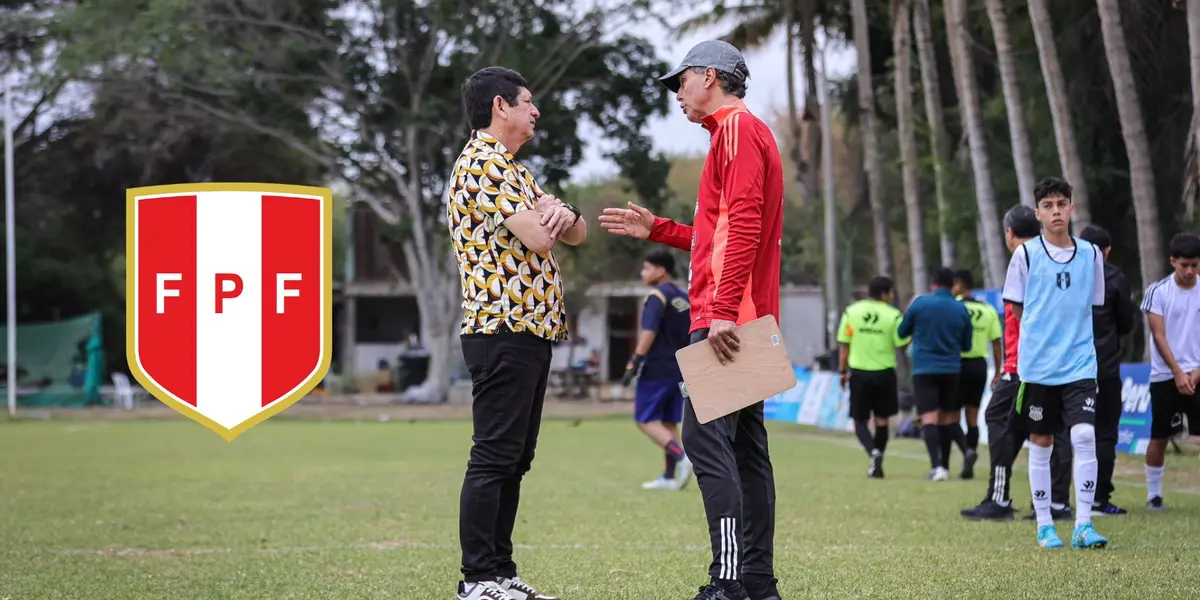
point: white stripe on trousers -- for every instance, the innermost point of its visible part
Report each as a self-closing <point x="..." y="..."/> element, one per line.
<point x="998" y="492"/>
<point x="728" y="555"/>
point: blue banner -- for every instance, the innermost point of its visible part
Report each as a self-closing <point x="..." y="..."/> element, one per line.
<point x="1134" y="432"/>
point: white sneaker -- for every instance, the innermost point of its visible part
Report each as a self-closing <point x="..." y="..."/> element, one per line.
<point x="519" y="590"/>
<point x="939" y="474"/>
<point x="483" y="590"/>
<point x="662" y="483"/>
<point x="683" y="472"/>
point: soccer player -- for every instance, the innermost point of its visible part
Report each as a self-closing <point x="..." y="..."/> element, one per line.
<point x="735" y="253"/>
<point x="1053" y="282"/>
<point x="1109" y="323"/>
<point x="867" y="338"/>
<point x="973" y="378"/>
<point x="940" y="328"/>
<point x="1172" y="307"/>
<point x="658" y="400"/>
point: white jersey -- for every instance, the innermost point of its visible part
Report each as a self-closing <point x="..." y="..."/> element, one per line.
<point x="1180" y="310"/>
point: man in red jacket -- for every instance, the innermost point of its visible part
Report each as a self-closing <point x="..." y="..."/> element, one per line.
<point x="735" y="242"/>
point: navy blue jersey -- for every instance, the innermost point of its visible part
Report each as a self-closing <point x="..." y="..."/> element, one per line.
<point x="667" y="313"/>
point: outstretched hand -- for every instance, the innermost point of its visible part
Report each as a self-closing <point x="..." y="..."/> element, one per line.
<point x="634" y="222"/>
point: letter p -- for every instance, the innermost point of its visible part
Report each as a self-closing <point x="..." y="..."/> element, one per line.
<point x="164" y="292"/>
<point x="224" y="291"/>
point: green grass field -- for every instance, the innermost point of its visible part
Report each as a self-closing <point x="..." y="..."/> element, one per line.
<point x="291" y="510"/>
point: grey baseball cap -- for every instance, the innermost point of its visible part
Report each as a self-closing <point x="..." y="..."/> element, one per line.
<point x="719" y="55"/>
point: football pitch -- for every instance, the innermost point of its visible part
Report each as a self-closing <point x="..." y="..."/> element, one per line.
<point x="360" y="510"/>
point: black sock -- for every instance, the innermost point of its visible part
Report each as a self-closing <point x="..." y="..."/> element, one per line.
<point x="674" y="449"/>
<point x="960" y="438"/>
<point x="947" y="438"/>
<point x="881" y="437"/>
<point x="669" y="470"/>
<point x="864" y="436"/>
<point x="929" y="432"/>
<point x="973" y="438"/>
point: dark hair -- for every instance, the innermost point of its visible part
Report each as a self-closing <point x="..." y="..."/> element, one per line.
<point x="662" y="258"/>
<point x="878" y="286"/>
<point x="484" y="85"/>
<point x="944" y="277"/>
<point x="964" y="276"/>
<point x="1050" y="187"/>
<point x="730" y="84"/>
<point x="1185" y="245"/>
<point x="1096" y="235"/>
<point x="1022" y="221"/>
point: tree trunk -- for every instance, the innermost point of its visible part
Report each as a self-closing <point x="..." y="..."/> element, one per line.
<point x="1141" y="172"/>
<point x="797" y="134"/>
<point x="1017" y="130"/>
<point x="866" y="104"/>
<point x="1060" y="110"/>
<point x="811" y="121"/>
<point x="902" y="48"/>
<point x="437" y="295"/>
<point x="1191" y="176"/>
<point x="963" y="65"/>
<point x="938" y="138"/>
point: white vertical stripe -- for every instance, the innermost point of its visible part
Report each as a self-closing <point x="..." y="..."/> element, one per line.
<point x="998" y="492"/>
<point x="724" y="571"/>
<point x="229" y="345"/>
<point x="727" y="555"/>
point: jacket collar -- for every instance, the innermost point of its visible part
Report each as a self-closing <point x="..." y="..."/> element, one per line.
<point x="714" y="120"/>
<point x="485" y="141"/>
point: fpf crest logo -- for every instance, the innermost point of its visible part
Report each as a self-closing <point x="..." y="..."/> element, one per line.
<point x="229" y="297"/>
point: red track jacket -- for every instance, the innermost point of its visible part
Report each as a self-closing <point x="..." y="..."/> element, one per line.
<point x="736" y="237"/>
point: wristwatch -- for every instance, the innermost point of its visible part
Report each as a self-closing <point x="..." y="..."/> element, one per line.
<point x="578" y="213"/>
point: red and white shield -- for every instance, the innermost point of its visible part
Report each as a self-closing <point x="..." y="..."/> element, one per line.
<point x="229" y="297"/>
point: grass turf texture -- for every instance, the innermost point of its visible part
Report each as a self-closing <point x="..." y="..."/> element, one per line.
<point x="166" y="509"/>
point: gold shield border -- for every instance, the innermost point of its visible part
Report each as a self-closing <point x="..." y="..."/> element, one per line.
<point x="131" y="196"/>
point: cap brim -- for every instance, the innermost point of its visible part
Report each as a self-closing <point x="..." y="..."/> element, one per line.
<point x="671" y="80"/>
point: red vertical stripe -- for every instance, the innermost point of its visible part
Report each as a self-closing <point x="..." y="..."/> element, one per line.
<point x="291" y="342"/>
<point x="166" y="343"/>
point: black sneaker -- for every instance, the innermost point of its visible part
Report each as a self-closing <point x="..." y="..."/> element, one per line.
<point x="988" y="510"/>
<point x="1156" y="503"/>
<point x="1057" y="514"/>
<point x="876" y="468"/>
<point x="762" y="589"/>
<point x="726" y="591"/>
<point x="1108" y="509"/>
<point x="968" y="470"/>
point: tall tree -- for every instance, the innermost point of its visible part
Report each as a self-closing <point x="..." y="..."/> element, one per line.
<point x="871" y="162"/>
<point x="1137" y="148"/>
<point x="902" y="73"/>
<point x="939" y="140"/>
<point x="1191" y="174"/>
<point x="963" y="65"/>
<point x="1060" y="109"/>
<point x="1017" y="130"/>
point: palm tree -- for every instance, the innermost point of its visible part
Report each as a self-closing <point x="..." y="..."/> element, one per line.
<point x="902" y="72"/>
<point x="963" y="65"/>
<point x="1060" y="109"/>
<point x="938" y="138"/>
<point x="1022" y="155"/>
<point x="1141" y="173"/>
<point x="866" y="106"/>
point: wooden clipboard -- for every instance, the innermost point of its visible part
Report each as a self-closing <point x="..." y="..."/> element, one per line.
<point x="759" y="370"/>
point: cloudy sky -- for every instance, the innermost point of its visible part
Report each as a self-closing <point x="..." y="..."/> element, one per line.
<point x="767" y="93"/>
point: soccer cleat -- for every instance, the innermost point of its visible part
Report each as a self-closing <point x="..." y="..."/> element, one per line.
<point x="1048" y="537"/>
<point x="968" y="470"/>
<point x="988" y="510"/>
<point x="1156" y="503"/>
<point x="876" y="468"/>
<point x="683" y="473"/>
<point x="715" y="592"/>
<point x="482" y="590"/>
<point x="1085" y="536"/>
<point x="1057" y="514"/>
<point x="938" y="474"/>
<point x="662" y="483"/>
<point x="1108" y="509"/>
<point x="519" y="590"/>
<point x="761" y="589"/>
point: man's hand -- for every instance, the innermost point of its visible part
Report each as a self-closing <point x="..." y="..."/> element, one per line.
<point x="844" y="379"/>
<point x="547" y="201"/>
<point x="631" y="370"/>
<point x="995" y="380"/>
<point x="724" y="339"/>
<point x="557" y="219"/>
<point x="634" y="222"/>
<point x="1195" y="376"/>
<point x="1185" y="383"/>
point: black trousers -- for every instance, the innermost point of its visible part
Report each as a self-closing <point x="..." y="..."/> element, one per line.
<point x="1108" y="420"/>
<point x="733" y="468"/>
<point x="508" y="379"/>
<point x="1004" y="442"/>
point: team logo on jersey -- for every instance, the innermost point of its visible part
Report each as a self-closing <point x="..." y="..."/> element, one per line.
<point x="871" y="317"/>
<point x="1063" y="280"/>
<point x="1035" y="413"/>
<point x="228" y="297"/>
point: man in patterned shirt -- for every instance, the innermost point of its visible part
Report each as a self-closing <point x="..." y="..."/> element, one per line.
<point x="504" y="228"/>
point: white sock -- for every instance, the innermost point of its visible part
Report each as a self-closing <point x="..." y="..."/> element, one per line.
<point x="1083" y="442"/>
<point x="1154" y="477"/>
<point x="1039" y="482"/>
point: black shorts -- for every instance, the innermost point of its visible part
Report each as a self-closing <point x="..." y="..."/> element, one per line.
<point x="936" y="392"/>
<point x="873" y="393"/>
<point x="972" y="380"/>
<point x="1167" y="408"/>
<point x="1046" y="409"/>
